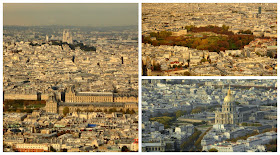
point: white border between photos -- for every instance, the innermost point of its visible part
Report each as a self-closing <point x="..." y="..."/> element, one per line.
<point x="139" y="76"/>
<point x="139" y="61"/>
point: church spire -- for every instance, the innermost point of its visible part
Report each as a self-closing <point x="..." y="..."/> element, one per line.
<point x="229" y="93"/>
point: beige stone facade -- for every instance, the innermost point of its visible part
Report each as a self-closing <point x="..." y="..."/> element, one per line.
<point x="93" y="101"/>
<point x="85" y="97"/>
<point x="125" y="97"/>
<point x="228" y="113"/>
<point x="74" y="107"/>
<point x="51" y="105"/>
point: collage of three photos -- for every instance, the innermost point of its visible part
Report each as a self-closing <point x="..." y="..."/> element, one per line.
<point x="208" y="78"/>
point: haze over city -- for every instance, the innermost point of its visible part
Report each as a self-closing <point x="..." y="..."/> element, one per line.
<point x="70" y="14"/>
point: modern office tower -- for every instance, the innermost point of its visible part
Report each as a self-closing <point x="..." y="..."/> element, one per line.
<point x="260" y="10"/>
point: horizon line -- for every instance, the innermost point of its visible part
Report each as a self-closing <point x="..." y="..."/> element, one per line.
<point x="73" y="25"/>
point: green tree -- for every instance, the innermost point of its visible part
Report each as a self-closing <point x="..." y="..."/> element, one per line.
<point x="165" y="120"/>
<point x="125" y="149"/>
<point x="179" y="113"/>
<point x="132" y="111"/>
<point x="225" y="28"/>
<point x="128" y="111"/>
<point x="78" y="110"/>
<point x="65" y="111"/>
<point x="169" y="147"/>
<point x="187" y="145"/>
<point x="189" y="27"/>
<point x="197" y="110"/>
<point x="29" y="110"/>
<point x="213" y="150"/>
<point x="52" y="149"/>
<point x="203" y="60"/>
<point x="187" y="73"/>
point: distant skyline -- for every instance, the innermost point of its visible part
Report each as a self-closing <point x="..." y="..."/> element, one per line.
<point x="81" y="14"/>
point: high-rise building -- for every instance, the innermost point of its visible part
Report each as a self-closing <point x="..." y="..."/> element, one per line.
<point x="67" y="37"/>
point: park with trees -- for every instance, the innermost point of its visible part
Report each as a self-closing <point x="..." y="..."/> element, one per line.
<point x="211" y="38"/>
<point x="23" y="105"/>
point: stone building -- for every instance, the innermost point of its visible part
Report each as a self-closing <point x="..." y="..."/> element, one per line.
<point x="51" y="105"/>
<point x="67" y="37"/>
<point x="93" y="101"/>
<point x="105" y="106"/>
<point x="228" y="114"/>
<point x="125" y="97"/>
<point x="72" y="96"/>
<point x="153" y="147"/>
<point x="31" y="147"/>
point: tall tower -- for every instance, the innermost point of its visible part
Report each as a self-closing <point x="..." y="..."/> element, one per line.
<point x="260" y="10"/>
<point x="67" y="37"/>
<point x="47" y="38"/>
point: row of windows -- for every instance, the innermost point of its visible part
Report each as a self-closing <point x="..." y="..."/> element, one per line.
<point x="31" y="150"/>
<point x="130" y="106"/>
<point x="95" y="97"/>
<point x="154" y="149"/>
<point x="124" y="98"/>
<point x="230" y="109"/>
<point x="90" y="99"/>
<point x="102" y="106"/>
<point x="32" y="147"/>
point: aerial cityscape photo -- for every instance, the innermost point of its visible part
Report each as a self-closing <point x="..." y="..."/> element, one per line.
<point x="209" y="115"/>
<point x="70" y="77"/>
<point x="209" y="39"/>
<point x="74" y="77"/>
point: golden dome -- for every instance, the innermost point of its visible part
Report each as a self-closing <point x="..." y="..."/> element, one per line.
<point x="229" y="98"/>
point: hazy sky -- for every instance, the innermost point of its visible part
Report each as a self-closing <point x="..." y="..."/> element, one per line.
<point x="70" y="14"/>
